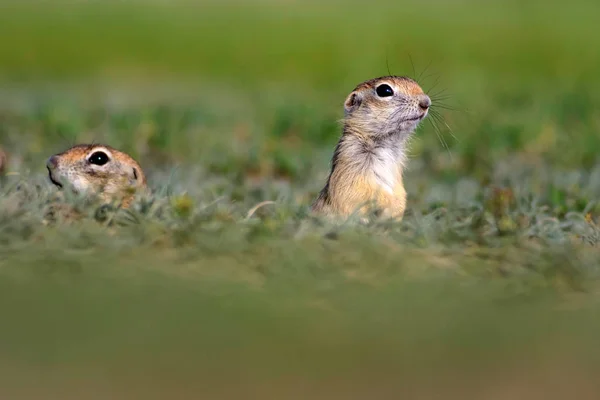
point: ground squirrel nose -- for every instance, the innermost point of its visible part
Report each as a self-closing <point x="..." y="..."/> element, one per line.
<point x="425" y="102"/>
<point x="52" y="162"/>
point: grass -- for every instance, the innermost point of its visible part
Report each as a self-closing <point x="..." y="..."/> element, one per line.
<point x="489" y="284"/>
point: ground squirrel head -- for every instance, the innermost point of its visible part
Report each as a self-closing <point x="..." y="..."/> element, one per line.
<point x="385" y="106"/>
<point x="97" y="168"/>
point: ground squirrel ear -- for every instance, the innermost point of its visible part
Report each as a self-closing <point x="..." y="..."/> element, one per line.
<point x="352" y="102"/>
<point x="135" y="174"/>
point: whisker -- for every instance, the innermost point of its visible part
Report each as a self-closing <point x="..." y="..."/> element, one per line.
<point x="438" y="93"/>
<point x="449" y="128"/>
<point x="434" y="121"/>
<point x="425" y="70"/>
<point x="387" y="64"/>
<point x="412" y="64"/>
<point x="447" y="107"/>
<point x="438" y="116"/>
<point x="435" y="101"/>
<point x="64" y="137"/>
<point x="440" y="98"/>
<point x="439" y="102"/>
<point x="435" y="83"/>
<point x="433" y="74"/>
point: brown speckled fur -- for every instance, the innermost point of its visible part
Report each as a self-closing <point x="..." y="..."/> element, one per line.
<point x="368" y="160"/>
<point x="119" y="179"/>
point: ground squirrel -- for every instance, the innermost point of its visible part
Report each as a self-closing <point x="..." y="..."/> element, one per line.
<point x="380" y="116"/>
<point x="103" y="170"/>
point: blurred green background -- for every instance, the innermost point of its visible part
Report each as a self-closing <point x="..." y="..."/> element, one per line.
<point x="521" y="75"/>
<point x="490" y="278"/>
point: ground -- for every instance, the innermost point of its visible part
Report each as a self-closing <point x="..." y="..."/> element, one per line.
<point x="487" y="289"/>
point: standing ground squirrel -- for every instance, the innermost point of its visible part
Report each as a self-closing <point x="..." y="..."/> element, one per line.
<point x="103" y="170"/>
<point x="380" y="116"/>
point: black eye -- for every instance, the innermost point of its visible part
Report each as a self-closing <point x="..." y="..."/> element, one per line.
<point x="384" y="91"/>
<point x="98" y="158"/>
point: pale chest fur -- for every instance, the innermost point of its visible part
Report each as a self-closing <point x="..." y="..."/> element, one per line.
<point x="386" y="168"/>
<point x="369" y="172"/>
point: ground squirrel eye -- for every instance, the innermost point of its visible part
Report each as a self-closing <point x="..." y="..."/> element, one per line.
<point x="384" y="91"/>
<point x="98" y="158"/>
